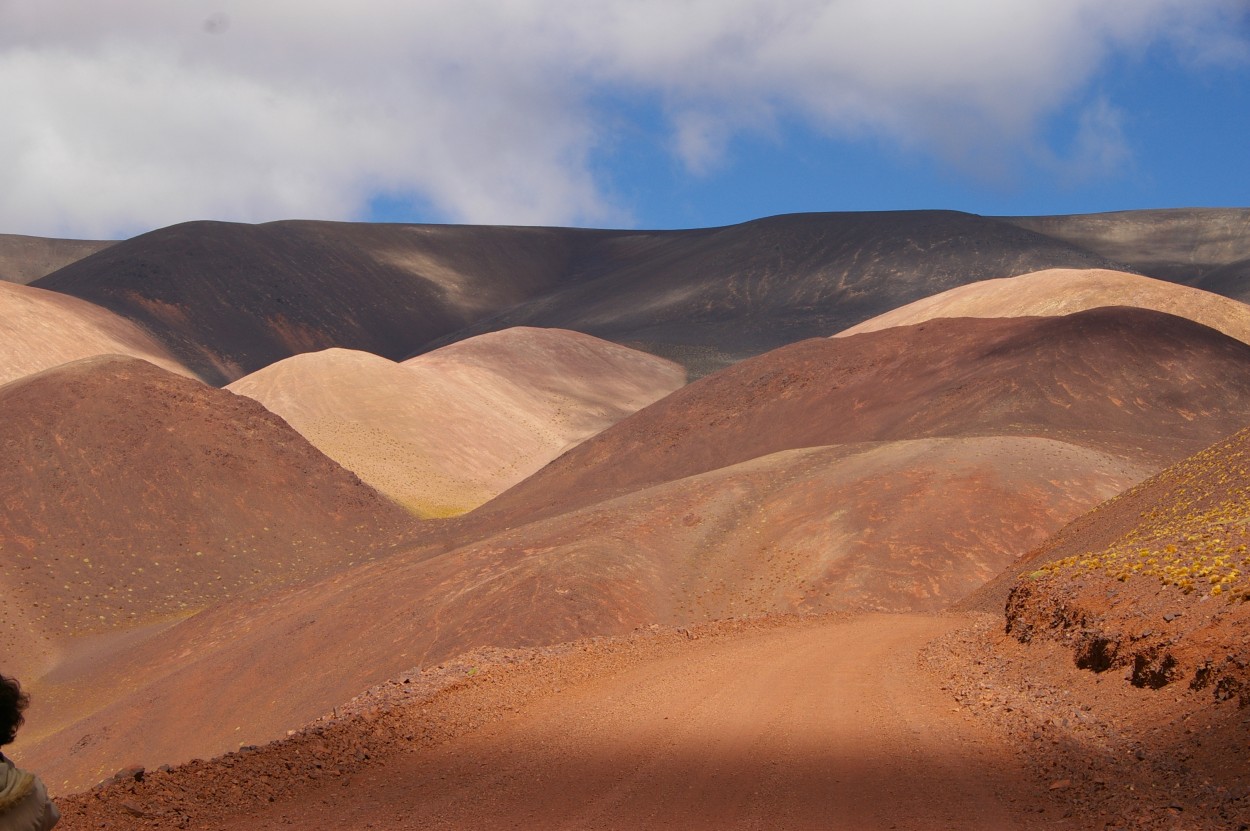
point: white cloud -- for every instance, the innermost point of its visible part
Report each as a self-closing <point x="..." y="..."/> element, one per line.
<point x="1098" y="147"/>
<point x="131" y="114"/>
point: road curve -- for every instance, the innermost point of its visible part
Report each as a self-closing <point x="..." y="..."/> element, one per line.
<point x="802" y="727"/>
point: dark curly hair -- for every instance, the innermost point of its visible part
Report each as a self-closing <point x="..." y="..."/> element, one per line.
<point x="12" y="702"/>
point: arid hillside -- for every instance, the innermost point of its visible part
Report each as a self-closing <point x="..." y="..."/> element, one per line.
<point x="711" y="297"/>
<point x="24" y="259"/>
<point x="765" y="499"/>
<point x="445" y="432"/>
<point x="1133" y="381"/>
<point x="1153" y="582"/>
<point x="1061" y="291"/>
<point x="1194" y="246"/>
<point x="230" y="299"/>
<point x="136" y="497"/>
<point x="457" y="497"/>
<point x="42" y="329"/>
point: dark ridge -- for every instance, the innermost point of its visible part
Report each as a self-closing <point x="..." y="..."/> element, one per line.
<point x="229" y="299"/>
<point x="711" y="297"/>
<point x="1183" y="245"/>
<point x="1232" y="280"/>
<point x="25" y="259"/>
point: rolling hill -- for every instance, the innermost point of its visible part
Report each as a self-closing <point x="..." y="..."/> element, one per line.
<point x="1130" y="381"/>
<point x="1182" y="245"/>
<point x="41" y="329"/>
<point x="1059" y="291"/>
<point x="135" y="497"/>
<point x="893" y="470"/>
<point x="25" y="259"/>
<point x="443" y="433"/>
<point x="230" y="299"/>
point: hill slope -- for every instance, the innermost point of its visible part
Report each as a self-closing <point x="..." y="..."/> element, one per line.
<point x="745" y="513"/>
<point x="710" y="297"/>
<point x="443" y="433"/>
<point x="41" y="329"/>
<point x="1142" y="383"/>
<point x="1058" y="291"/>
<point x="1183" y="245"/>
<point x="25" y="259"/>
<point x="1155" y="580"/>
<point x="134" y="496"/>
<point x="230" y="299"/>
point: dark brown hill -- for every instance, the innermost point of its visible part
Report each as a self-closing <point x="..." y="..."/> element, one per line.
<point x="132" y="495"/>
<point x="1231" y="280"/>
<point x="1143" y="383"/>
<point x="230" y="299"/>
<point x="25" y="259"/>
<point x="710" y="297"/>
<point x="1183" y="245"/>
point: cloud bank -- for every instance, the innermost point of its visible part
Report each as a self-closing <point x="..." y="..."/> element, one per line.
<point x="132" y="114"/>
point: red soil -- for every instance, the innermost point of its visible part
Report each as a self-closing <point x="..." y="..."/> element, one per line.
<point x="1145" y="384"/>
<point x="763" y="725"/>
<point x="134" y="496"/>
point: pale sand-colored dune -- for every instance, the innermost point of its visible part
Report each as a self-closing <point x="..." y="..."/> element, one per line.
<point x="1061" y="291"/>
<point x="444" y="432"/>
<point x="40" y="329"/>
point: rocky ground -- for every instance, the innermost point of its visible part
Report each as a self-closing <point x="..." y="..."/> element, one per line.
<point x="886" y="721"/>
<point x="1116" y="754"/>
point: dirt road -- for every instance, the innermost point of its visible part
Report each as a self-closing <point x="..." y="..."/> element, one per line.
<point x="825" y="726"/>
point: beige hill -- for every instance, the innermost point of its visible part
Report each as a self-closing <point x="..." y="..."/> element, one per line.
<point x="445" y="432"/>
<point x="40" y="329"/>
<point x="1062" y="291"/>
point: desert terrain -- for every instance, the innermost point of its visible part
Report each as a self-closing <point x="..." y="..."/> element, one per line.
<point x="897" y="520"/>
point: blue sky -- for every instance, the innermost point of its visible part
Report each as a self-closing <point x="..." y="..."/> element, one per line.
<point x="135" y="114"/>
<point x="1186" y="142"/>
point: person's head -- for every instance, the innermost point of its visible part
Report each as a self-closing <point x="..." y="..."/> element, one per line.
<point x="12" y="702"/>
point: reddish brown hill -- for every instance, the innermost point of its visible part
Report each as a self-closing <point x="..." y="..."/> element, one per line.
<point x="1143" y="383"/>
<point x="1147" y="594"/>
<point x="133" y="496"/>
<point x="898" y="526"/>
<point x="25" y="259"/>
